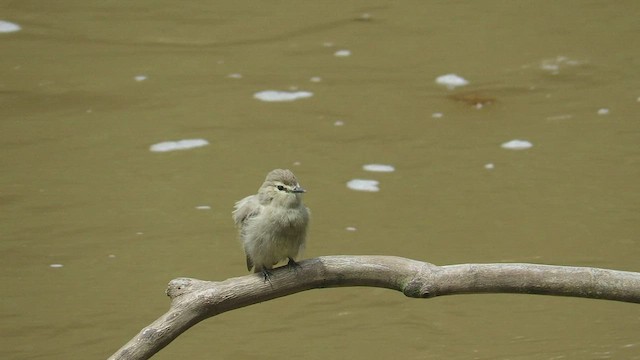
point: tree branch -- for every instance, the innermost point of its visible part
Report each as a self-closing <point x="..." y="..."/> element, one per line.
<point x="195" y="300"/>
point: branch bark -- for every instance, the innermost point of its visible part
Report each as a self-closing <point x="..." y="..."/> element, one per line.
<point x="194" y="300"/>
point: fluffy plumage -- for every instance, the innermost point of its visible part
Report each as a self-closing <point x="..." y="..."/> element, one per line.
<point x="272" y="223"/>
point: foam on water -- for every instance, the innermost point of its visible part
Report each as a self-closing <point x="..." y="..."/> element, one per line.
<point x="178" y="145"/>
<point x="556" y="64"/>
<point x="517" y="145"/>
<point x="9" y="27"/>
<point x="342" y="53"/>
<point x="378" y="168"/>
<point x="363" y="185"/>
<point x="275" y="95"/>
<point x="451" y="81"/>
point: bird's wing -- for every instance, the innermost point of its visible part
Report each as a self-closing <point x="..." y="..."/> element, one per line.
<point x="245" y="209"/>
<point x="249" y="263"/>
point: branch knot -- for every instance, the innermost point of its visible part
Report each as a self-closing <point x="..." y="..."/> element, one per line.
<point x="420" y="284"/>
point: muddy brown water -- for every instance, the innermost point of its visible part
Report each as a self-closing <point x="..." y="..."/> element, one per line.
<point x="80" y="188"/>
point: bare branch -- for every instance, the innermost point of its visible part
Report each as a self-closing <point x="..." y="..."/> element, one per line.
<point x="195" y="300"/>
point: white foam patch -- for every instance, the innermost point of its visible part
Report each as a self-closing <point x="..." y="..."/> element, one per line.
<point x="342" y="53"/>
<point x="556" y="64"/>
<point x="603" y="111"/>
<point x="178" y="145"/>
<point x="56" y="266"/>
<point x="140" y="77"/>
<point x="517" y="145"/>
<point x="275" y="95"/>
<point x="379" y="168"/>
<point x="451" y="81"/>
<point x="363" y="185"/>
<point x="9" y="27"/>
<point x="203" y="207"/>
<point x="489" y="166"/>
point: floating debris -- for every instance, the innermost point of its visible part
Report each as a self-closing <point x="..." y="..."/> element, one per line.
<point x="56" y="266"/>
<point x="489" y="166"/>
<point x="275" y="95"/>
<point x="178" y="145"/>
<point x="475" y="99"/>
<point x="9" y="27"/>
<point x="140" y="77"/>
<point x="378" y="168"/>
<point x="235" y="76"/>
<point x="451" y="81"/>
<point x="517" y="145"/>
<point x="603" y="111"/>
<point x="342" y="53"/>
<point x="350" y="228"/>
<point x="363" y="185"/>
<point x="203" y="207"/>
<point x="437" y="115"/>
<point x="316" y="79"/>
<point x="338" y="123"/>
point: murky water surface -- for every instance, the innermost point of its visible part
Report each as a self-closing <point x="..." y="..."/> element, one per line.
<point x="93" y="224"/>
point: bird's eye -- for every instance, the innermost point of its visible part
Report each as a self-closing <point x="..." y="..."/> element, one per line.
<point x="280" y="187"/>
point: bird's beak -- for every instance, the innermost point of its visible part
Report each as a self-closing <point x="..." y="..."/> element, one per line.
<point x="298" y="189"/>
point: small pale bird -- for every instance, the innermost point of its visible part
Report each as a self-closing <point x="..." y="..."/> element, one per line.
<point x="272" y="223"/>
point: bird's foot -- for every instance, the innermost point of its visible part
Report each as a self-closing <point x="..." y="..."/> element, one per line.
<point x="292" y="264"/>
<point x="266" y="274"/>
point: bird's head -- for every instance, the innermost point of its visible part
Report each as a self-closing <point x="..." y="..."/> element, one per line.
<point x="281" y="187"/>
